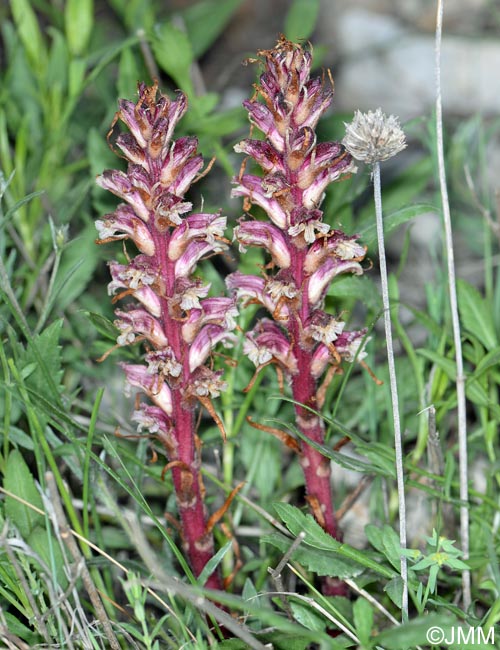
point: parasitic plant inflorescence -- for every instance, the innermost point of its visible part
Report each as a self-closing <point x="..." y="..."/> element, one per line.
<point x="306" y="343"/>
<point x="169" y="308"/>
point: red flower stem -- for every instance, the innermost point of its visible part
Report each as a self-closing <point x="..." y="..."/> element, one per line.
<point x="198" y="544"/>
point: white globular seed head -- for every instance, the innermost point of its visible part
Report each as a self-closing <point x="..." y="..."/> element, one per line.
<point x="373" y="137"/>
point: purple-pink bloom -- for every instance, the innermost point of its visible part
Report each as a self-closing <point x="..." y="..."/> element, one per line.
<point x="168" y="306"/>
<point x="306" y="253"/>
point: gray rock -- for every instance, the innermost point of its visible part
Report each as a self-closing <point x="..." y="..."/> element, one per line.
<point x="385" y="64"/>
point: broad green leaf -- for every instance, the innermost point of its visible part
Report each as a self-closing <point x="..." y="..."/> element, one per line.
<point x="414" y="633"/>
<point x="173" y="52"/>
<point x="78" y="23"/>
<point x="363" y="620"/>
<point x="19" y="481"/>
<point x="49" y="552"/>
<point x="316" y="537"/>
<point x="206" y="20"/>
<point x="29" y="32"/>
<point x="392" y="546"/>
<point x="57" y="68"/>
<point x="15" y="626"/>
<point x="375" y="537"/>
<point x="321" y="562"/>
<point x="20" y="438"/>
<point x="476" y="314"/>
<point x="301" y="19"/>
<point x="394" y="589"/>
<point x="76" y="76"/>
<point x="368" y="233"/>
<point x="307" y="617"/>
<point x="49" y="350"/>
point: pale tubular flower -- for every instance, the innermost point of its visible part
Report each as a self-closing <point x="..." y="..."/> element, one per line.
<point x="352" y="345"/>
<point x="151" y="418"/>
<point x="336" y="246"/>
<point x="139" y="322"/>
<point x="217" y="310"/>
<point x="266" y="235"/>
<point x="267" y="342"/>
<point x="163" y="362"/>
<point x="157" y="390"/>
<point x="309" y="230"/>
<point x="324" y="327"/>
<point x="190" y="296"/>
<point x="320" y="280"/>
<point x="204" y="342"/>
<point x="207" y="383"/>
<point x="193" y="253"/>
<point x="208" y="228"/>
<point x="123" y="224"/>
<point x="251" y="187"/>
<point x="119" y="184"/>
<point x="373" y="137"/>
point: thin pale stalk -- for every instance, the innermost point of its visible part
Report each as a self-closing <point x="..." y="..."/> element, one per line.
<point x="398" y="446"/>
<point x="455" y="320"/>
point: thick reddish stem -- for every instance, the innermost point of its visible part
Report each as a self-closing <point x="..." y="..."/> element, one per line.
<point x="198" y="544"/>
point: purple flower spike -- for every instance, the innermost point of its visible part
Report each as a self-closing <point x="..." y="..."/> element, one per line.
<point x="171" y="312"/>
<point x="306" y="253"/>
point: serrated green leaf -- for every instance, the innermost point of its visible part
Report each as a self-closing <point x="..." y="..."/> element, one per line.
<point x="19" y="481"/>
<point x="301" y="19"/>
<point x="78" y="24"/>
<point x="476" y="314"/>
<point x="206" y="20"/>
<point x="363" y="620"/>
<point x="172" y="50"/>
<point x="44" y="380"/>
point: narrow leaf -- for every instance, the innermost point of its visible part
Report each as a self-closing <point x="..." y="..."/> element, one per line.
<point x="78" y="23"/>
<point x="476" y="314"/>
